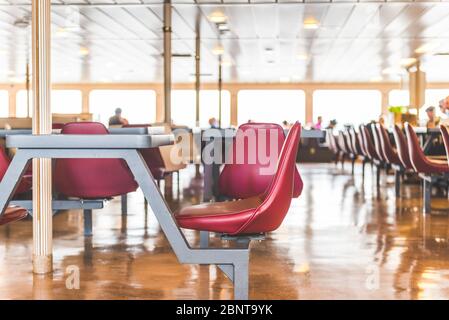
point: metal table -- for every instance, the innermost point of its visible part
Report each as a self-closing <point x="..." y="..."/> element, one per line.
<point x="232" y="261"/>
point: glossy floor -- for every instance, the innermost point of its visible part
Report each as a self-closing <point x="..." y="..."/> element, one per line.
<point x="341" y="240"/>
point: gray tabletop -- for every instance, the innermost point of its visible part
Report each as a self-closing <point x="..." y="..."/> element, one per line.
<point x="73" y="141"/>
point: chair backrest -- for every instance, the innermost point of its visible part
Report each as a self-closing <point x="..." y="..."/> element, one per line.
<point x="417" y="157"/>
<point x="347" y="142"/>
<point x="332" y="141"/>
<point x="243" y="179"/>
<point x="445" y="133"/>
<point x="92" y="178"/>
<point x="25" y="183"/>
<point x="388" y="151"/>
<point x="376" y="139"/>
<point x="276" y="202"/>
<point x="4" y="162"/>
<point x="359" y="136"/>
<point x="368" y="143"/>
<point x="402" y="147"/>
<point x="355" y="141"/>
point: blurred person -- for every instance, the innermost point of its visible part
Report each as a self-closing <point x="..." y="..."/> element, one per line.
<point x="117" y="119"/>
<point x="286" y="125"/>
<point x="318" y="125"/>
<point x="213" y="123"/>
<point x="332" y="124"/>
<point x="433" y="120"/>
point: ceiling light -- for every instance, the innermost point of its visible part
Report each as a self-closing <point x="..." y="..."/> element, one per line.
<point x="391" y="71"/>
<point x="22" y="23"/>
<point x="61" y="31"/>
<point x="302" y="56"/>
<point x="376" y="79"/>
<point x="218" y="50"/>
<point x="408" y="61"/>
<point x="223" y="27"/>
<point x="84" y="51"/>
<point x="217" y="17"/>
<point x="226" y="63"/>
<point x="425" y="48"/>
<point x="311" y="24"/>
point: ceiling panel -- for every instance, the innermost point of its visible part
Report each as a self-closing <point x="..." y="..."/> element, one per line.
<point x="121" y="40"/>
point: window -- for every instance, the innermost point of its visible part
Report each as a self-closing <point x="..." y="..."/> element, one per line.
<point x="271" y="106"/>
<point x="62" y="101"/>
<point x="398" y="98"/>
<point x="183" y="107"/>
<point x="4" y="104"/>
<point x="138" y="106"/>
<point x="347" y="106"/>
<point x="432" y="98"/>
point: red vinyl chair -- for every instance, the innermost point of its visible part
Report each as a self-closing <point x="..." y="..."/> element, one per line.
<point x="431" y="171"/>
<point x="370" y="150"/>
<point x="358" y="147"/>
<point x="12" y="214"/>
<point x="255" y="215"/>
<point x="333" y="145"/>
<point x="244" y="180"/>
<point x="351" y="147"/>
<point x="402" y="148"/>
<point x="391" y="156"/>
<point x="92" y="178"/>
<point x="26" y="181"/>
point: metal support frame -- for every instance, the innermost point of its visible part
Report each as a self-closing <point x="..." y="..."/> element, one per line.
<point x="398" y="176"/>
<point x="62" y="204"/>
<point x="428" y="182"/>
<point x="167" y="30"/>
<point x="124" y="201"/>
<point x="87" y="222"/>
<point x="234" y="262"/>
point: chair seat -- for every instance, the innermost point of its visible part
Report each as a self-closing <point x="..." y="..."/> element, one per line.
<point x="439" y="164"/>
<point x="224" y="217"/>
<point x="12" y="214"/>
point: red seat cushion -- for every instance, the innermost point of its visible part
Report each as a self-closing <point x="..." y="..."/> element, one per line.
<point x="420" y="162"/>
<point x="242" y="177"/>
<point x="92" y="178"/>
<point x="26" y="181"/>
<point x="12" y="214"/>
<point x="209" y="216"/>
<point x="255" y="214"/>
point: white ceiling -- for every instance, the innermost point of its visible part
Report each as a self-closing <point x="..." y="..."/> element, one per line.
<point x="363" y="41"/>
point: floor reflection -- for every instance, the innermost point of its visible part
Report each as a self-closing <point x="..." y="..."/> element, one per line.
<point x="343" y="239"/>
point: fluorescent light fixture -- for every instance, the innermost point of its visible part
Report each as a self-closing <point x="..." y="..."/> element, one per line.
<point x="311" y="24"/>
<point x="408" y="61"/>
<point x="218" y="50"/>
<point x="223" y="27"/>
<point x="376" y="79"/>
<point x="426" y="48"/>
<point x="302" y="56"/>
<point x="217" y="17"/>
<point x="226" y="63"/>
<point x="84" y="51"/>
<point x="391" y="71"/>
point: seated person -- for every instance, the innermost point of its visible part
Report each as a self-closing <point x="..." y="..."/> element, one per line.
<point x="118" y="119"/>
<point x="433" y="121"/>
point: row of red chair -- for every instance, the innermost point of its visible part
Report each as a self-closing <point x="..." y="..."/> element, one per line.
<point x="372" y="144"/>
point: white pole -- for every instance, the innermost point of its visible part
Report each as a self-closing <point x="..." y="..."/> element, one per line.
<point x="42" y="193"/>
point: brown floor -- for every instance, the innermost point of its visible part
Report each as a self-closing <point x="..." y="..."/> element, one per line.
<point x="340" y="240"/>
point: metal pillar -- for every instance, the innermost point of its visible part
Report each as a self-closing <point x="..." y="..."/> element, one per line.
<point x="197" y="73"/>
<point x="167" y="61"/>
<point x="42" y="193"/>
<point x="220" y="89"/>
